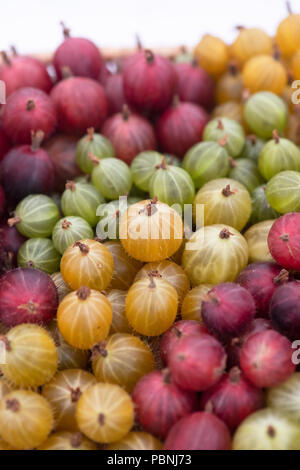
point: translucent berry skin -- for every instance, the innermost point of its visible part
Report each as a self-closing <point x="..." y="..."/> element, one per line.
<point x="228" y="310"/>
<point x="177" y="331"/>
<point x="197" y="362"/>
<point x="262" y="280"/>
<point x="233" y="398"/>
<point x="285" y="310"/>
<point x="160" y="403"/>
<point x="125" y="267"/>
<point x="284" y="240"/>
<point x="27" y="296"/>
<point x="195" y="85"/>
<point x="266" y="359"/>
<point x="199" y="431"/>
<point x="65" y="440"/>
<point x="137" y="440"/>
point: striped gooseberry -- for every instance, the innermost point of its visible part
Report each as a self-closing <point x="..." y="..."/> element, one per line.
<point x="69" y="230"/>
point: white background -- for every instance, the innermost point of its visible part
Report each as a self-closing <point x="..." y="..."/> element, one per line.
<point x="33" y="25"/>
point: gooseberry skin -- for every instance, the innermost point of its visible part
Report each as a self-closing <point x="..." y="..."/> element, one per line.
<point x="39" y="253"/>
<point x="26" y="110"/>
<point x="137" y="440"/>
<point x="207" y="253"/>
<point x="252" y="147"/>
<point x="151" y="306"/>
<point x="285" y="397"/>
<point x="178" y="330"/>
<point x="114" y="91"/>
<point x="11" y="241"/>
<point x="119" y="324"/>
<point x="4" y="143"/>
<point x="194" y="85"/>
<point x="283" y="191"/>
<point x="25" y="367"/>
<point x="218" y="128"/>
<point x="199" y="431"/>
<point x="262" y="280"/>
<point x="264" y="111"/>
<point x="180" y="127"/>
<point x="105" y="413"/>
<point x="278" y="155"/>
<point x="27" y="296"/>
<point x="69" y="230"/>
<point x="35" y="216"/>
<point x="245" y="171"/>
<point x="129" y="134"/>
<point x="249" y="43"/>
<point x="287" y="35"/>
<point x="63" y="392"/>
<point x="122" y="359"/>
<point x="197" y="362"/>
<point x="81" y="199"/>
<point x="25" y="419"/>
<point x="61" y="286"/>
<point x="206" y="161"/>
<point x="266" y="359"/>
<point x="191" y="307"/>
<point x="65" y="440"/>
<point x="80" y="103"/>
<point x="84" y="318"/>
<point x="225" y="201"/>
<point x="256" y="237"/>
<point x="153" y="90"/>
<point x="284" y="241"/>
<point x="160" y="403"/>
<point x="112" y="178"/>
<point x="125" y="267"/>
<point x="228" y="310"/>
<point x="142" y="231"/>
<point x="230" y="86"/>
<point x="93" y="143"/>
<point x="284" y="310"/>
<point x="87" y="263"/>
<point x="261" y="209"/>
<point x="143" y="168"/>
<point x="263" y="72"/>
<point x="212" y="54"/>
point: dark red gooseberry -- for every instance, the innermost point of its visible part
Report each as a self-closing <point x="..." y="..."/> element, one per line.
<point x="159" y="403"/>
<point x="180" y="329"/>
<point x="4" y="143"/>
<point x="233" y="398"/>
<point x="199" y="431"/>
<point x="27" y="296"/>
<point x="80" y="103"/>
<point x="114" y="93"/>
<point x="285" y="310"/>
<point x="129" y="134"/>
<point x="195" y="85"/>
<point x="149" y="81"/>
<point x="22" y="71"/>
<point x="61" y="148"/>
<point x="27" y="169"/>
<point x="197" y="362"/>
<point x="284" y="240"/>
<point x="80" y="55"/>
<point x="2" y="201"/>
<point x="262" y="280"/>
<point x="180" y="127"/>
<point x="105" y="73"/>
<point x="266" y="358"/>
<point x="228" y="310"/>
<point x="26" y="110"/>
<point x="10" y="240"/>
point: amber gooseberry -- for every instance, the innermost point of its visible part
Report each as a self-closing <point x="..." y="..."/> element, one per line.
<point x="110" y="214"/>
<point x="84" y="317"/>
<point x="215" y="254"/>
<point x="295" y="65"/>
<point x="68" y="230"/>
<point x="168" y="270"/>
<point x="93" y="143"/>
<point x="35" y="216"/>
<point x="257" y="239"/>
<point x="223" y="127"/>
<point x="263" y="72"/>
<point x="112" y="177"/>
<point x="225" y="201"/>
<point x="283" y="191"/>
<point x="65" y="440"/>
<point x="31" y="357"/>
<point x="151" y="231"/>
<point x="5" y="387"/>
<point x="63" y="392"/>
<point x="230" y="85"/>
<point x="278" y="155"/>
<point x="261" y="209"/>
<point x="192" y="303"/>
<point x="5" y="446"/>
<point x="143" y="167"/>
<point x="122" y="359"/>
<point x="125" y="267"/>
<point x="137" y="440"/>
<point x="252" y="147"/>
<point x="212" y="54"/>
<point x="250" y="42"/>
<point x="151" y="306"/>
<point x="61" y="286"/>
<point x="206" y="161"/>
<point x="25" y="419"/>
<point x="39" y="253"/>
<point x="117" y="299"/>
<point x="245" y="171"/>
<point x="81" y="199"/>
<point x="87" y="263"/>
<point x="288" y="33"/>
<point x="263" y="112"/>
<point x="104" y="413"/>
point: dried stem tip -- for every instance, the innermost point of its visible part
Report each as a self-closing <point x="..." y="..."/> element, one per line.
<point x="149" y="56"/>
<point x="234" y="374"/>
<point x="36" y="139"/>
<point x="5" y="58"/>
<point x="252" y="139"/>
<point x="13" y="221"/>
<point x="223" y="141"/>
<point x="12" y="404"/>
<point x="76" y="440"/>
<point x="75" y="394"/>
<point x="90" y="133"/>
<point x="175" y="101"/>
<point x="227" y="191"/>
<point x="162" y="165"/>
<point x="220" y="124"/>
<point x="70" y="185"/>
<point x="99" y="349"/>
<point x="83" y="293"/>
<point x="101" y="419"/>
<point x="276" y="136"/>
<point x="125" y="112"/>
<point x="166" y="376"/>
<point x="66" y="30"/>
<point x="30" y="105"/>
<point x="66" y="224"/>
<point x="282" y="277"/>
<point x="225" y="234"/>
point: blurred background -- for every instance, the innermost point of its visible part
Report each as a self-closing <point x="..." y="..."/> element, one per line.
<point x="33" y="25"/>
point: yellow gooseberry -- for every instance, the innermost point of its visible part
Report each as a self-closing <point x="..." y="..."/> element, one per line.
<point x="192" y="303"/>
<point x="137" y="440"/>
<point x="230" y="85"/>
<point x="249" y="43"/>
<point x="117" y="299"/>
<point x="212" y="54"/>
<point x="262" y="73"/>
<point x="65" y="440"/>
<point x="288" y="33"/>
<point x="295" y="65"/>
<point x="125" y="267"/>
